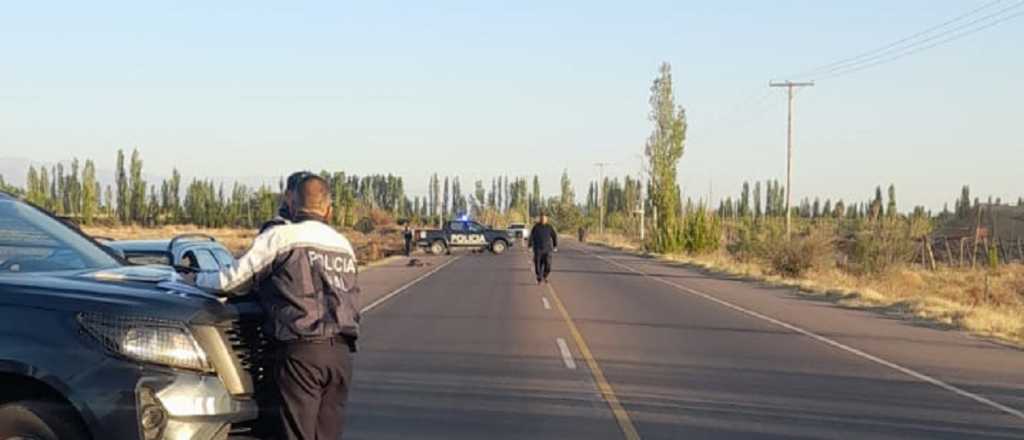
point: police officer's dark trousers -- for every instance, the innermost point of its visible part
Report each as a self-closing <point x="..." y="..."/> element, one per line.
<point x="542" y="264"/>
<point x="313" y="378"/>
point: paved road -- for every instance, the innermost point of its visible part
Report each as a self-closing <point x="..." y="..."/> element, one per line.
<point x="622" y="347"/>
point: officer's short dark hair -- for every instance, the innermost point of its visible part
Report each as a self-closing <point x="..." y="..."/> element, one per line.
<point x="296" y="178"/>
<point x="312" y="196"/>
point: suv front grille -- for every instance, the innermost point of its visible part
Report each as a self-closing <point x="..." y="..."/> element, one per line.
<point x="251" y="347"/>
<point x="253" y="350"/>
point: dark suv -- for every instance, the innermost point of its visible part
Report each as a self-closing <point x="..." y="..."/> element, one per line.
<point x="94" y="348"/>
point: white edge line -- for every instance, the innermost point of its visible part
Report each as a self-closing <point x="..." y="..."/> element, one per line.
<point x="547" y="304"/>
<point x="566" y="354"/>
<point x="384" y="298"/>
<point x="831" y="342"/>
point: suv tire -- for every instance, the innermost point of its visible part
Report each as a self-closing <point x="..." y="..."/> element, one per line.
<point x="498" y="247"/>
<point x="437" y="247"/>
<point x="38" y="420"/>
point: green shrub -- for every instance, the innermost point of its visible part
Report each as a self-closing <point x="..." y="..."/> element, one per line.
<point x="764" y="241"/>
<point x="877" y="246"/>
<point x="755" y="239"/>
<point x="702" y="232"/>
<point x="812" y="250"/>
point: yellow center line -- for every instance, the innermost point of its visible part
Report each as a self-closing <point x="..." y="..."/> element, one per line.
<point x="621" y="416"/>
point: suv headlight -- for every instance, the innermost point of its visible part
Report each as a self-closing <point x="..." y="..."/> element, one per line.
<point x="150" y="340"/>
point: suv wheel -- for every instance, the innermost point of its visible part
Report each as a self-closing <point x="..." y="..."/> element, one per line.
<point x="437" y="247"/>
<point x="37" y="420"/>
<point x="498" y="247"/>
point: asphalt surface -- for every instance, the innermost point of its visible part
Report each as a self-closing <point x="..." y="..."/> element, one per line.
<point x="470" y="347"/>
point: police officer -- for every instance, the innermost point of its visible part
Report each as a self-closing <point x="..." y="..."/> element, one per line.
<point x="543" y="241"/>
<point x="283" y="216"/>
<point x="296" y="269"/>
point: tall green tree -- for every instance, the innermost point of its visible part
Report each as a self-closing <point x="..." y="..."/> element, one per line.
<point x="745" y="200"/>
<point x="890" y="210"/>
<point x="963" y="204"/>
<point x="90" y="193"/>
<point x="446" y="200"/>
<point x="875" y="207"/>
<point x="137" y="198"/>
<point x="664" y="149"/>
<point x="757" y="199"/>
<point x="480" y="200"/>
<point x="123" y="191"/>
<point x="568" y="196"/>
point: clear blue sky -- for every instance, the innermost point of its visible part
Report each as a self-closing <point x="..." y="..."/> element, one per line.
<point x="479" y="88"/>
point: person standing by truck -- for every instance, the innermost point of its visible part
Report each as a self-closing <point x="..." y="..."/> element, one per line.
<point x="305" y="275"/>
<point x="407" y="235"/>
<point x="544" y="242"/>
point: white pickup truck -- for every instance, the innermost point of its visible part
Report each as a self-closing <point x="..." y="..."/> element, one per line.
<point x="519" y="231"/>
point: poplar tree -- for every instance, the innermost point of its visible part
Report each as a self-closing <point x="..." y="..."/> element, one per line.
<point x="757" y="199"/>
<point x="138" y="188"/>
<point x="90" y="193"/>
<point x="123" y="212"/>
<point x="446" y="200"/>
<point x="664" y="149"/>
<point x="890" y="210"/>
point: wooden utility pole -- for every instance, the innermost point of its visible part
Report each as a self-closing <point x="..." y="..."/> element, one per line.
<point x="789" y="85"/>
<point x="600" y="191"/>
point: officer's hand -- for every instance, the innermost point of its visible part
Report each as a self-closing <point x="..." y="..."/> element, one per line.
<point x="188" y="273"/>
<point x="556" y="250"/>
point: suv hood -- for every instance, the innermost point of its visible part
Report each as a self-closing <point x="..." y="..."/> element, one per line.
<point x="156" y="291"/>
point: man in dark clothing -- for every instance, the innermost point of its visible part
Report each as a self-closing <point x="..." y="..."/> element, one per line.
<point x="305" y="275"/>
<point x="543" y="241"/>
<point x="283" y="216"/>
<point x="407" y="235"/>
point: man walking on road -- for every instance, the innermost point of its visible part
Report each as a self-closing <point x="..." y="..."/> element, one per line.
<point x="543" y="241"/>
<point x="304" y="273"/>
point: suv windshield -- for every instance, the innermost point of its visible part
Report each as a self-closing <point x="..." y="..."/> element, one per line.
<point x="31" y="241"/>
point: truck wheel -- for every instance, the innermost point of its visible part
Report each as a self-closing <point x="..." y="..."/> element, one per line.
<point x="437" y="247"/>
<point x="38" y="420"/>
<point x="498" y="247"/>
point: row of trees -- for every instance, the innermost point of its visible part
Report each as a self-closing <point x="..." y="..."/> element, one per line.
<point x="504" y="197"/>
<point x="75" y="192"/>
<point x="749" y="205"/>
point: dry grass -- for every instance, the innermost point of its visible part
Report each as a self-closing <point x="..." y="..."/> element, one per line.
<point x="369" y="247"/>
<point x="989" y="303"/>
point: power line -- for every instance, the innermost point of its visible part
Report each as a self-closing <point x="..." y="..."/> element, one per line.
<point x="857" y="58"/>
<point x="923" y="48"/>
